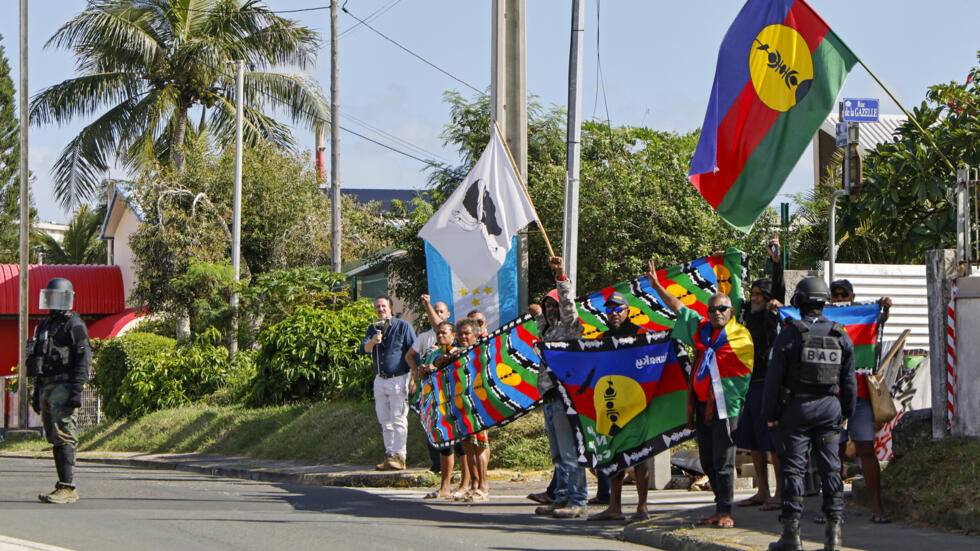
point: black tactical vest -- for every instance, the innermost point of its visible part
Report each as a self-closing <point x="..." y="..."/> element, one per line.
<point x="821" y="356"/>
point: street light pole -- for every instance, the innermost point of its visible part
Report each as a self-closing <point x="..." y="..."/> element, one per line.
<point x="25" y="222"/>
<point x="236" y="227"/>
<point x="335" y="230"/>
<point x="573" y="142"/>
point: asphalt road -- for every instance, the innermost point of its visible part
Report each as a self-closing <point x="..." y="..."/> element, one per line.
<point x="133" y="509"/>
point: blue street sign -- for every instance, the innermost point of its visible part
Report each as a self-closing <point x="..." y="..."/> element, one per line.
<point x="860" y="110"/>
<point x="841" y="134"/>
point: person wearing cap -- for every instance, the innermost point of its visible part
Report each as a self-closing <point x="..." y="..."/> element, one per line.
<point x="860" y="427"/>
<point x="760" y="314"/>
<point x="809" y="391"/>
<point x="58" y="359"/>
<point x="557" y="320"/>
<point x="618" y="320"/>
<point x="724" y="350"/>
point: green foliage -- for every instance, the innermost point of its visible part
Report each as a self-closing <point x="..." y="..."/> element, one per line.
<point x="207" y="290"/>
<point x="81" y="243"/>
<point x="9" y="171"/>
<point x="182" y="376"/>
<point x="635" y="201"/>
<point x="278" y="293"/>
<point x="116" y="358"/>
<point x="312" y="355"/>
<point x="146" y="64"/>
<point x="906" y="204"/>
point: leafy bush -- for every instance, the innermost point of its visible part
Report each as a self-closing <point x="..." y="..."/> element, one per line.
<point x="116" y="358"/>
<point x="312" y="355"/>
<point x="185" y="375"/>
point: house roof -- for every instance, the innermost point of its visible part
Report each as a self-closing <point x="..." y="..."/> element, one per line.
<point x="98" y="289"/>
<point x="122" y="197"/>
<point x="384" y="196"/>
<point x="872" y="133"/>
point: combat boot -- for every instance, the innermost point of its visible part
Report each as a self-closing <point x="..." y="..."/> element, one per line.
<point x="548" y="510"/>
<point x="790" y="540"/>
<point x="63" y="493"/>
<point x="385" y="465"/>
<point x="400" y="462"/>
<point x="833" y="535"/>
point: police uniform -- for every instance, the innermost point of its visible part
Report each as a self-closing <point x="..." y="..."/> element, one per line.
<point x="59" y="357"/>
<point x="810" y="389"/>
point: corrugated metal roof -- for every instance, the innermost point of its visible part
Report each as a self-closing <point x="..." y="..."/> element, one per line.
<point x="871" y="133"/>
<point x="98" y="289"/>
<point x="904" y="284"/>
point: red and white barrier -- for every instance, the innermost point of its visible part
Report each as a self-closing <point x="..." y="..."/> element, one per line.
<point x="951" y="354"/>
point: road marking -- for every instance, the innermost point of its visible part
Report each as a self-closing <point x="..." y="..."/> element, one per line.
<point x="14" y="544"/>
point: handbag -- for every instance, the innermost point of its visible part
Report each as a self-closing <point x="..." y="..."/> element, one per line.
<point x="882" y="404"/>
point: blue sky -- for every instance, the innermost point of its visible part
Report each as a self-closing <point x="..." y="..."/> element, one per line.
<point x="657" y="56"/>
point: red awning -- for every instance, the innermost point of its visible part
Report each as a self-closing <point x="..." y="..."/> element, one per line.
<point x="98" y="289"/>
<point x="111" y="326"/>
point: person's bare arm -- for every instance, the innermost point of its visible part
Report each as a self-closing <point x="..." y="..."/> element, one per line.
<point x="434" y="318"/>
<point x="670" y="300"/>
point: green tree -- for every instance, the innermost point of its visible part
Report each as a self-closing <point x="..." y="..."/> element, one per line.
<point x="81" y="243"/>
<point x="635" y="200"/>
<point x="145" y="64"/>
<point x="906" y="203"/>
<point x="9" y="166"/>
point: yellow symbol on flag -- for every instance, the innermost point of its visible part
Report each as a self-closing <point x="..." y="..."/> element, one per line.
<point x="478" y="388"/>
<point x="617" y="399"/>
<point x="781" y="67"/>
<point x="476" y="302"/>
<point x="463" y="292"/>
<point x="682" y="294"/>
<point x="488" y="290"/>
<point x="507" y="375"/>
<point x="724" y="279"/>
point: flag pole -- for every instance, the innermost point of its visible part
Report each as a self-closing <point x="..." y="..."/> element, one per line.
<point x="907" y="114"/>
<point x="513" y="163"/>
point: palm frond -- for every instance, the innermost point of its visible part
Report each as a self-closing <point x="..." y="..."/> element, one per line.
<point x="298" y="94"/>
<point x="256" y="126"/>
<point x="113" y="23"/>
<point x="82" y="96"/>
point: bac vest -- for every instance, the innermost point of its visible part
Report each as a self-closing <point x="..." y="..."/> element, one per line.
<point x="821" y="356"/>
<point x="51" y="348"/>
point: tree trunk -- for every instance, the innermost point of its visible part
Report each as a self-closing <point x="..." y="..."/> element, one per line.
<point x="183" y="325"/>
<point x="179" y="133"/>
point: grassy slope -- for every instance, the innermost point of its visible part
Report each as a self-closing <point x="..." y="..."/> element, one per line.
<point x="339" y="432"/>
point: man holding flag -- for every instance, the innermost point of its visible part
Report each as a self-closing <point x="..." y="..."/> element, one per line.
<point x="717" y="386"/>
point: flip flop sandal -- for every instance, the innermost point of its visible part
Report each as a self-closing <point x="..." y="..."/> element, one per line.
<point x="727" y="522"/>
<point x="707" y="521"/>
<point x="434" y="494"/>
<point x="880" y="519"/>
<point x="478" y="496"/>
<point x="639" y="516"/>
<point x="603" y="517"/>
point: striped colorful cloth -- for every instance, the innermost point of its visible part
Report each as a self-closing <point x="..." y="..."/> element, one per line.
<point x="495" y="381"/>
<point x="861" y="321"/>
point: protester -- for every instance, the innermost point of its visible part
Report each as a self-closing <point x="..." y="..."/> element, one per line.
<point x="445" y="348"/>
<point x="617" y="319"/>
<point x="557" y="320"/>
<point x="809" y="390"/>
<point x="477" y="446"/>
<point x="481" y="322"/>
<point x="761" y="317"/>
<point x="860" y="427"/>
<point x="424" y="343"/>
<point x="724" y="349"/>
<point x="388" y="340"/>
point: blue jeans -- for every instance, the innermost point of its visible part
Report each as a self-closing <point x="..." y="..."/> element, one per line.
<point x="570" y="476"/>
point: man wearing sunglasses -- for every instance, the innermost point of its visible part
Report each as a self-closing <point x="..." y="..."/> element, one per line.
<point x="617" y="312"/>
<point x="480" y="320"/>
<point x="724" y="349"/>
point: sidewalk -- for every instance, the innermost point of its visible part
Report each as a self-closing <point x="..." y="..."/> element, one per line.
<point x="673" y="513"/>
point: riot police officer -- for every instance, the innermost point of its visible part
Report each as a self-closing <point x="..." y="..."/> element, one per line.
<point x="58" y="359"/>
<point x="810" y="389"/>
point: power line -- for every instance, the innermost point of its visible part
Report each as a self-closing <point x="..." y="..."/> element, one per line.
<point x="402" y="142"/>
<point x="426" y="61"/>
<point x="396" y="150"/>
<point x="374" y="15"/>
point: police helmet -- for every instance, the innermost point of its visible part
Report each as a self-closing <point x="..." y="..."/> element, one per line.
<point x="58" y="296"/>
<point x="810" y="289"/>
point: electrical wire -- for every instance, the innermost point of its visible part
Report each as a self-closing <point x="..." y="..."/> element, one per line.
<point x="396" y="150"/>
<point x="374" y="15"/>
<point x="417" y="56"/>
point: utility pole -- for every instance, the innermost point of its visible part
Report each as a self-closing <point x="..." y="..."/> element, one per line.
<point x="574" y="142"/>
<point x="25" y="222"/>
<point x="236" y="226"/>
<point x="508" y="102"/>
<point x="335" y="233"/>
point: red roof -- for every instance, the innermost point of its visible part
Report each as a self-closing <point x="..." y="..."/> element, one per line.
<point x="98" y="289"/>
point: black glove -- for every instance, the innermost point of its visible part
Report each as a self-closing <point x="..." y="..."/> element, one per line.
<point x="75" y="396"/>
<point x="36" y="400"/>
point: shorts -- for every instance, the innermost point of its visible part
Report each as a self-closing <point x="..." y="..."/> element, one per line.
<point x="860" y="427"/>
<point x="447" y="451"/>
<point x="752" y="432"/>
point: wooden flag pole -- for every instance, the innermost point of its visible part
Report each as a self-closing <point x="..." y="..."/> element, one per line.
<point x="517" y="171"/>
<point x="907" y="114"/>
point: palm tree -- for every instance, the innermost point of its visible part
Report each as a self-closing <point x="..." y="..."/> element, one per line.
<point x="145" y="64"/>
<point x="81" y="244"/>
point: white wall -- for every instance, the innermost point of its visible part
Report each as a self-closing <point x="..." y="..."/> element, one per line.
<point x="122" y="253"/>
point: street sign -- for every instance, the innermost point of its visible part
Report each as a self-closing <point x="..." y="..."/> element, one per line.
<point x="841" y="134"/>
<point x="860" y="110"/>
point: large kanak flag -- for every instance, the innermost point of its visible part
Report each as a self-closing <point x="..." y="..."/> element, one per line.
<point x="780" y="68"/>
<point x="474" y="229"/>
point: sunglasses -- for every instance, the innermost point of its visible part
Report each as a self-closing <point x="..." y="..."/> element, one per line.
<point x="713" y="309"/>
<point x="614" y="309"/>
<point x="840" y="294"/>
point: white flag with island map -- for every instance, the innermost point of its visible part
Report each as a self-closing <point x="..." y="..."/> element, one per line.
<point x="475" y="227"/>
